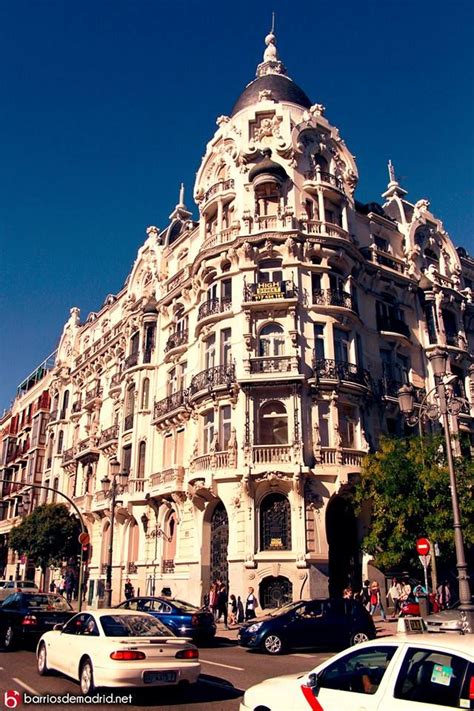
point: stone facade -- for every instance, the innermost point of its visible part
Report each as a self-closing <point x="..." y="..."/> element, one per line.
<point x="251" y="360"/>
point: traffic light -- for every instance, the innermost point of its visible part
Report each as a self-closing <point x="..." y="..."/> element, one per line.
<point x="86" y="550"/>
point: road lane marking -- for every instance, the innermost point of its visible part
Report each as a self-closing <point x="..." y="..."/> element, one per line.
<point x="227" y="666"/>
<point x="25" y="686"/>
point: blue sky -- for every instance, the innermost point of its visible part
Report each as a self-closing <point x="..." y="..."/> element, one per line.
<point x="108" y="106"/>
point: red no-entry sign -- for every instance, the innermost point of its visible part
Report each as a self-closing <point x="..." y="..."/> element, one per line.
<point x="422" y="546"/>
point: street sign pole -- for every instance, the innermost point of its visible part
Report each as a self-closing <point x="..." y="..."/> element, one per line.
<point x="425" y="561"/>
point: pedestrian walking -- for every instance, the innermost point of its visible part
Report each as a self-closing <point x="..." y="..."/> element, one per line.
<point x="405" y="591"/>
<point x="233" y="609"/>
<point x="443" y="595"/>
<point x="240" y="610"/>
<point x="365" y="594"/>
<point x="376" y="600"/>
<point x="251" y="605"/>
<point x="222" y="604"/>
<point x="213" y="594"/>
<point x="69" y="586"/>
<point x="128" y="589"/>
<point x="394" y="593"/>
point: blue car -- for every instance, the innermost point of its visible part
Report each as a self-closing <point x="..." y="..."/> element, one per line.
<point x="184" y="619"/>
<point x="308" y="624"/>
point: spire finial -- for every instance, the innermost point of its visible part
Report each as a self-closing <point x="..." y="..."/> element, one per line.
<point x="394" y="189"/>
<point x="391" y="172"/>
<point x="271" y="63"/>
<point x="181" y="195"/>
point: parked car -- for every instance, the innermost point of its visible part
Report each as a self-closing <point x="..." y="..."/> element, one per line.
<point x="24" y="616"/>
<point x="184" y="619"/>
<point x="402" y="673"/>
<point x="12" y="586"/>
<point x="411" y="606"/>
<point x="111" y="647"/>
<point x="445" y="620"/>
<point x="309" y="623"/>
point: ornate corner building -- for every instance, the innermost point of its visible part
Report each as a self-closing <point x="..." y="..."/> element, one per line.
<point x="251" y="360"/>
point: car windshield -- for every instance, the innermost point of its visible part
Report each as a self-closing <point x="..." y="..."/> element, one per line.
<point x="45" y="602"/>
<point x="284" y="609"/>
<point x="133" y="626"/>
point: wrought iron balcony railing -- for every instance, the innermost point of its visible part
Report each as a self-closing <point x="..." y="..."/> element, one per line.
<point x="213" y="306"/>
<point x="170" y="403"/>
<point x="68" y="455"/>
<point x="328" y="369"/>
<point x="93" y="393"/>
<point x="109" y="434"/>
<point x="334" y="297"/>
<point x="322" y="176"/>
<point x="131" y="360"/>
<point x="271" y="364"/>
<point x="77" y="406"/>
<point x="264" y="291"/>
<point x="212" y="378"/>
<point x="178" y="338"/>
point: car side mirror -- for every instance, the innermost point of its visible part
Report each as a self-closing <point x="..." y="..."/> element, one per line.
<point x="58" y="628"/>
<point x="312" y="682"/>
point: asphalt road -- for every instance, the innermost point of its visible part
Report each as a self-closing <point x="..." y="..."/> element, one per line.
<point x="227" y="670"/>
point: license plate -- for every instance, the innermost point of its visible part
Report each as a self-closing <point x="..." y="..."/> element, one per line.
<point x="152" y="677"/>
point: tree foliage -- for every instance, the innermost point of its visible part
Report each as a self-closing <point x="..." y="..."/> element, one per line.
<point x="48" y="536"/>
<point x="406" y="483"/>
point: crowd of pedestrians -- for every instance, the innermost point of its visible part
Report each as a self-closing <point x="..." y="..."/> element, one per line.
<point x="231" y="610"/>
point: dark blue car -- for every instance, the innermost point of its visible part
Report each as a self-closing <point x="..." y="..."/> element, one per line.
<point x="184" y="619"/>
<point x="332" y="623"/>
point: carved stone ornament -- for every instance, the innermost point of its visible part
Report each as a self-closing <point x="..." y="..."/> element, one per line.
<point x="265" y="95"/>
<point x="317" y="109"/>
<point x="222" y="120"/>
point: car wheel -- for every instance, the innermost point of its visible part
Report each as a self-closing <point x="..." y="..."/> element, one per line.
<point x="42" y="662"/>
<point x="86" y="677"/>
<point x="8" y="638"/>
<point x="358" y="638"/>
<point x="272" y="644"/>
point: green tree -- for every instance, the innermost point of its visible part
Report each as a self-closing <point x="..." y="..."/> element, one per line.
<point x="405" y="484"/>
<point x="48" y="536"/>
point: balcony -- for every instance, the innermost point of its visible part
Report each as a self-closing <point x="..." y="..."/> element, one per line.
<point x="213" y="307"/>
<point x="169" y="405"/>
<point x="389" y="387"/>
<point x="218" y="188"/>
<point x="87" y="451"/>
<point x="178" y="339"/>
<point x="168" y="480"/>
<point x="218" y="238"/>
<point x="136" y="489"/>
<point x="76" y="407"/>
<point x="68" y="456"/>
<point x="391" y="325"/>
<point x="317" y="228"/>
<point x="115" y="382"/>
<point x="130" y="361"/>
<point x="334" y="297"/>
<point x="207" y="462"/>
<point x="108" y="439"/>
<point x="316" y="177"/>
<point x="272" y="364"/>
<point x="92" y="395"/>
<point x="270" y="291"/>
<point x="345" y="457"/>
<point x="212" y="379"/>
<point x="328" y="369"/>
<point x="384" y="259"/>
<point x="272" y="454"/>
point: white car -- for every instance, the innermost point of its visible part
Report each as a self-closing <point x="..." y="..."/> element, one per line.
<point x="409" y="672"/>
<point x="112" y="647"/>
<point x="12" y="586"/>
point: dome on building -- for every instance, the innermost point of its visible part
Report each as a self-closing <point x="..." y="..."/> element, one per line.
<point x="273" y="81"/>
<point x="282" y="88"/>
<point x="267" y="166"/>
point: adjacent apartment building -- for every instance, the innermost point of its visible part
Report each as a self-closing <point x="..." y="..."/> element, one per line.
<point x="251" y="360"/>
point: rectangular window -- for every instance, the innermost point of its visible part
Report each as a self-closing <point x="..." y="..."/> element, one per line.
<point x="224" y="427"/>
<point x="323" y="409"/>
<point x="341" y="346"/>
<point x="347" y="425"/>
<point x="226" y="290"/>
<point x="179" y="453"/>
<point x="319" y="341"/>
<point x="167" y="450"/>
<point x="126" y="459"/>
<point x="208" y="431"/>
<point x="226" y="358"/>
<point x="210" y="353"/>
<point x="172" y="384"/>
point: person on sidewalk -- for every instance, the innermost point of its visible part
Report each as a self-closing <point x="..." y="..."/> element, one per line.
<point x="376" y="600"/>
<point x="251" y="605"/>
<point x="233" y="610"/>
<point x="128" y="589"/>
<point x="394" y="595"/>
<point x="222" y="604"/>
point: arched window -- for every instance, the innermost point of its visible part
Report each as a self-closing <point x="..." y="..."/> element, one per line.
<point x="273" y="423"/>
<point x="141" y="460"/>
<point x="65" y="404"/>
<point x="431" y="258"/>
<point x="134" y="343"/>
<point x="130" y="400"/>
<point x="181" y="321"/>
<point x="319" y="160"/>
<point x="145" y="393"/>
<point x="60" y="442"/>
<point x="272" y="340"/>
<point x="275" y="523"/>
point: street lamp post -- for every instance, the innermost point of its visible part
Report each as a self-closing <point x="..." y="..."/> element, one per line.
<point x="155" y="535"/>
<point x="112" y="488"/>
<point x="442" y="408"/>
<point x="81" y="521"/>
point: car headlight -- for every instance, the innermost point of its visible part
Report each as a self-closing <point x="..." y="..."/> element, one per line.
<point x="256" y="626"/>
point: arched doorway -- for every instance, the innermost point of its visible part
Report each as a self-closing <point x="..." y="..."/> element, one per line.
<point x="275" y="591"/>
<point x="341" y="531"/>
<point x="219" y="544"/>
